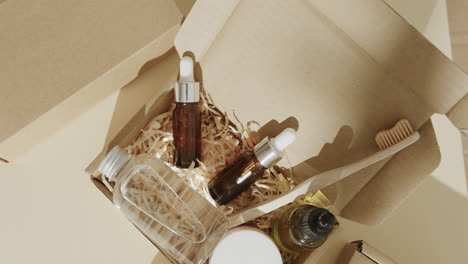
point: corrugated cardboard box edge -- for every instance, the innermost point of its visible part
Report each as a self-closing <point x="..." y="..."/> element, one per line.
<point x="360" y="252"/>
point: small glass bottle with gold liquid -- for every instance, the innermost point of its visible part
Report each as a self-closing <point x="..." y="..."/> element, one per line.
<point x="302" y="228"/>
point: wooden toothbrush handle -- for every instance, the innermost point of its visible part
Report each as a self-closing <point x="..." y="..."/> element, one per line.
<point x="318" y="182"/>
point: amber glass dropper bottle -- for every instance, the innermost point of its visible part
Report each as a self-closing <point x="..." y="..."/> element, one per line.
<point x="249" y="167"/>
<point x="186" y="117"/>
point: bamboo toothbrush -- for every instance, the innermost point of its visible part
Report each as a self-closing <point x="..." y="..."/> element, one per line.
<point x="397" y="133"/>
<point x="390" y="141"/>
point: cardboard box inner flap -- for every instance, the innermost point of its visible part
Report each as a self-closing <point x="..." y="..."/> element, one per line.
<point x="340" y="71"/>
<point x="61" y="58"/>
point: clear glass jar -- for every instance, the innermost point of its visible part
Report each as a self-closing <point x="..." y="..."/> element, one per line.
<point x="164" y="207"/>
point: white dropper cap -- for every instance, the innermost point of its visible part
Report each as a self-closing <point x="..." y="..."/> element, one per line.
<point x="283" y="140"/>
<point x="187" y="90"/>
<point x="268" y="151"/>
<point x="186" y="70"/>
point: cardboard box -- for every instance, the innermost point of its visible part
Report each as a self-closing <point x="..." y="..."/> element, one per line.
<point x="337" y="76"/>
<point x="360" y="252"/>
<point x="339" y="71"/>
<point x="60" y="58"/>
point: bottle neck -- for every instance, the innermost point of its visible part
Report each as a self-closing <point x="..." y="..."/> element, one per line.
<point x="114" y="162"/>
<point x="266" y="154"/>
<point x="187" y="92"/>
<point x="313" y="225"/>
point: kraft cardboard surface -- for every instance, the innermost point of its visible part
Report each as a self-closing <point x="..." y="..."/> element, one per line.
<point x="359" y="258"/>
<point x="129" y="118"/>
<point x="338" y="71"/>
<point x="396" y="181"/>
<point x="458" y="23"/>
<point x="59" y="58"/>
<point x="360" y="252"/>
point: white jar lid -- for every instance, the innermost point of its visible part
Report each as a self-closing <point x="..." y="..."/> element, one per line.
<point x="247" y="246"/>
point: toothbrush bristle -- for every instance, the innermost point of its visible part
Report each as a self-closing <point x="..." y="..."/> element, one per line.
<point x="389" y="137"/>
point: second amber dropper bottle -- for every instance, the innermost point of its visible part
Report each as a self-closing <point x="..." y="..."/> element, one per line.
<point x="186" y="117"/>
<point x="249" y="167"/>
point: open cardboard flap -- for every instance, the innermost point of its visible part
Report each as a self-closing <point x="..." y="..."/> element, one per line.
<point x="342" y="71"/>
<point x="59" y="58"/>
<point x="138" y="102"/>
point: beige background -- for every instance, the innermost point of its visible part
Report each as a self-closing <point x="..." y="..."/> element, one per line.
<point x="51" y="213"/>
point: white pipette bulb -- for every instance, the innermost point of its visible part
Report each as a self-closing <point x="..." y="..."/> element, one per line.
<point x="283" y="140"/>
<point x="187" y="90"/>
<point x="186" y="70"/>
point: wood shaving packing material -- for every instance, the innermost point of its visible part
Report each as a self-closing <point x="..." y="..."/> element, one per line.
<point x="223" y="139"/>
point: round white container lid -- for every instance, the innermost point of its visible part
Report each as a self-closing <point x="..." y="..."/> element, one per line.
<point x="247" y="246"/>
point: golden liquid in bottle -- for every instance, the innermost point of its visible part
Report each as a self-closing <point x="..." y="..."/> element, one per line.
<point x="284" y="226"/>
